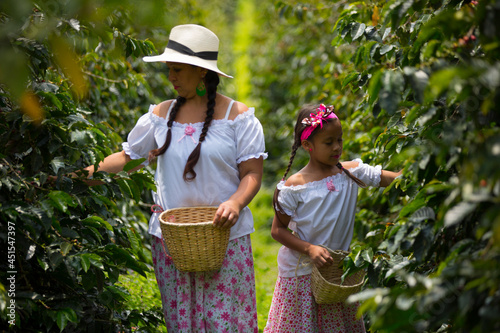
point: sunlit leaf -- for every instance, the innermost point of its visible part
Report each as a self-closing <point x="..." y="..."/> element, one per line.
<point x="386" y="48"/>
<point x="412" y="207"/>
<point x="133" y="164"/>
<point x="422" y="214"/>
<point x="85" y="262"/>
<point x="75" y="24"/>
<point x="349" y="78"/>
<point x="61" y="200"/>
<point x="374" y="86"/>
<point x="357" y="30"/>
<point x="457" y="213"/>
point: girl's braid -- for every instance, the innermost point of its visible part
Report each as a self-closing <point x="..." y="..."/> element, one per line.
<point x="276" y="205"/>
<point x="350" y="175"/>
<point x="295" y="147"/>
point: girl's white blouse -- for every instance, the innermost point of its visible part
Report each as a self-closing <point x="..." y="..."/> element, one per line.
<point x="228" y="143"/>
<point x="322" y="213"/>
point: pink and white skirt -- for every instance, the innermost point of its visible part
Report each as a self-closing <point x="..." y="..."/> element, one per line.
<point x="293" y="309"/>
<point x="221" y="301"/>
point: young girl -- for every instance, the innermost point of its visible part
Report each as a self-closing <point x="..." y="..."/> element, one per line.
<point x="318" y="204"/>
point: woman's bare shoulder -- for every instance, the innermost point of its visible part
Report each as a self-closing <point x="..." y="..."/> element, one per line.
<point x="237" y="108"/>
<point x="161" y="109"/>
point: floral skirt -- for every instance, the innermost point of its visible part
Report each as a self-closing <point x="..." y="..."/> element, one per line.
<point x="293" y="309"/>
<point x="217" y="301"/>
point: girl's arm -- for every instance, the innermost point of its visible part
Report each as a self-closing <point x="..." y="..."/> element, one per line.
<point x="250" y="181"/>
<point x="387" y="177"/>
<point x="280" y="232"/>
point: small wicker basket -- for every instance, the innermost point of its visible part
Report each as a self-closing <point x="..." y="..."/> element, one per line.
<point x="194" y="244"/>
<point x="326" y="281"/>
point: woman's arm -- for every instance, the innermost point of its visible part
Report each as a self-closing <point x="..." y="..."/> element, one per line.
<point x="113" y="163"/>
<point x="387" y="177"/>
<point x="250" y="181"/>
<point x="279" y="231"/>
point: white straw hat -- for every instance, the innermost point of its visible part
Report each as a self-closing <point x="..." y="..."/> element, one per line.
<point x="191" y="44"/>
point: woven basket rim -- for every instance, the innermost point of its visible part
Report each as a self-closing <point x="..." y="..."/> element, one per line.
<point x="343" y="286"/>
<point x="191" y="208"/>
<point x="173" y="210"/>
<point x="188" y="224"/>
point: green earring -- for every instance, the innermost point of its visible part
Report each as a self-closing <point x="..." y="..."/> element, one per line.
<point x="200" y="89"/>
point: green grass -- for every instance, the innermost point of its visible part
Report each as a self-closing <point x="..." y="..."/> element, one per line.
<point x="265" y="251"/>
<point x="144" y="293"/>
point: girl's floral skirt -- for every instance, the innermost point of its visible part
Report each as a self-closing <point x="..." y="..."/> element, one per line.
<point x="220" y="301"/>
<point x="293" y="309"/>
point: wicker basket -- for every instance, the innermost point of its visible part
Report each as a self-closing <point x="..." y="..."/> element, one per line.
<point x="326" y="281"/>
<point x="193" y="242"/>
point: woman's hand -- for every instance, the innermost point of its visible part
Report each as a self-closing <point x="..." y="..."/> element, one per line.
<point x="227" y="214"/>
<point x="319" y="256"/>
<point x="250" y="178"/>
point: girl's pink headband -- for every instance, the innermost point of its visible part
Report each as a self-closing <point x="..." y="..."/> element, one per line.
<point x="323" y="113"/>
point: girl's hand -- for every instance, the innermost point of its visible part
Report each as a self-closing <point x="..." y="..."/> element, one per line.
<point x="319" y="256"/>
<point x="227" y="214"/>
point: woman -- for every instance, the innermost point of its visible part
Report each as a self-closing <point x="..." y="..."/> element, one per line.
<point x="210" y="152"/>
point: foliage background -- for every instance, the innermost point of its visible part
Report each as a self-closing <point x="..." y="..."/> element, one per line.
<point x="416" y="84"/>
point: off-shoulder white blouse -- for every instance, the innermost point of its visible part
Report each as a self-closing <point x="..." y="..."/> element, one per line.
<point x="322" y="213"/>
<point x="228" y="143"/>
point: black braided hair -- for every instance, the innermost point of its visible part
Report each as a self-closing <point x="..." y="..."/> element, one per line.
<point x="276" y="204"/>
<point x="211" y="83"/>
<point x="350" y="175"/>
<point x="160" y="151"/>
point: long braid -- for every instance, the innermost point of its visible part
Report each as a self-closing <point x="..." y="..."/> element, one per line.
<point x="211" y="83"/>
<point x="296" y="145"/>
<point x="276" y="205"/>
<point x="350" y="175"/>
<point x="160" y="151"/>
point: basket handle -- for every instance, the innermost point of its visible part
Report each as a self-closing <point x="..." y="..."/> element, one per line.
<point x="156" y="209"/>
<point x="164" y="250"/>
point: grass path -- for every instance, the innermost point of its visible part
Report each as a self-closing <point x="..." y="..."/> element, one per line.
<point x="265" y="251"/>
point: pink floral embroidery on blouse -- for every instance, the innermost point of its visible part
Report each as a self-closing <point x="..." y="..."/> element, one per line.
<point x="189" y="131"/>
<point x="330" y="186"/>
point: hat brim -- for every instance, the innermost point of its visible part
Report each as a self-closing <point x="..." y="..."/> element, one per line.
<point x="174" y="56"/>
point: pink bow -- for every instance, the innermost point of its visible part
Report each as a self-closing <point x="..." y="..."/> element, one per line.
<point x="189" y="132"/>
<point x="323" y="113"/>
